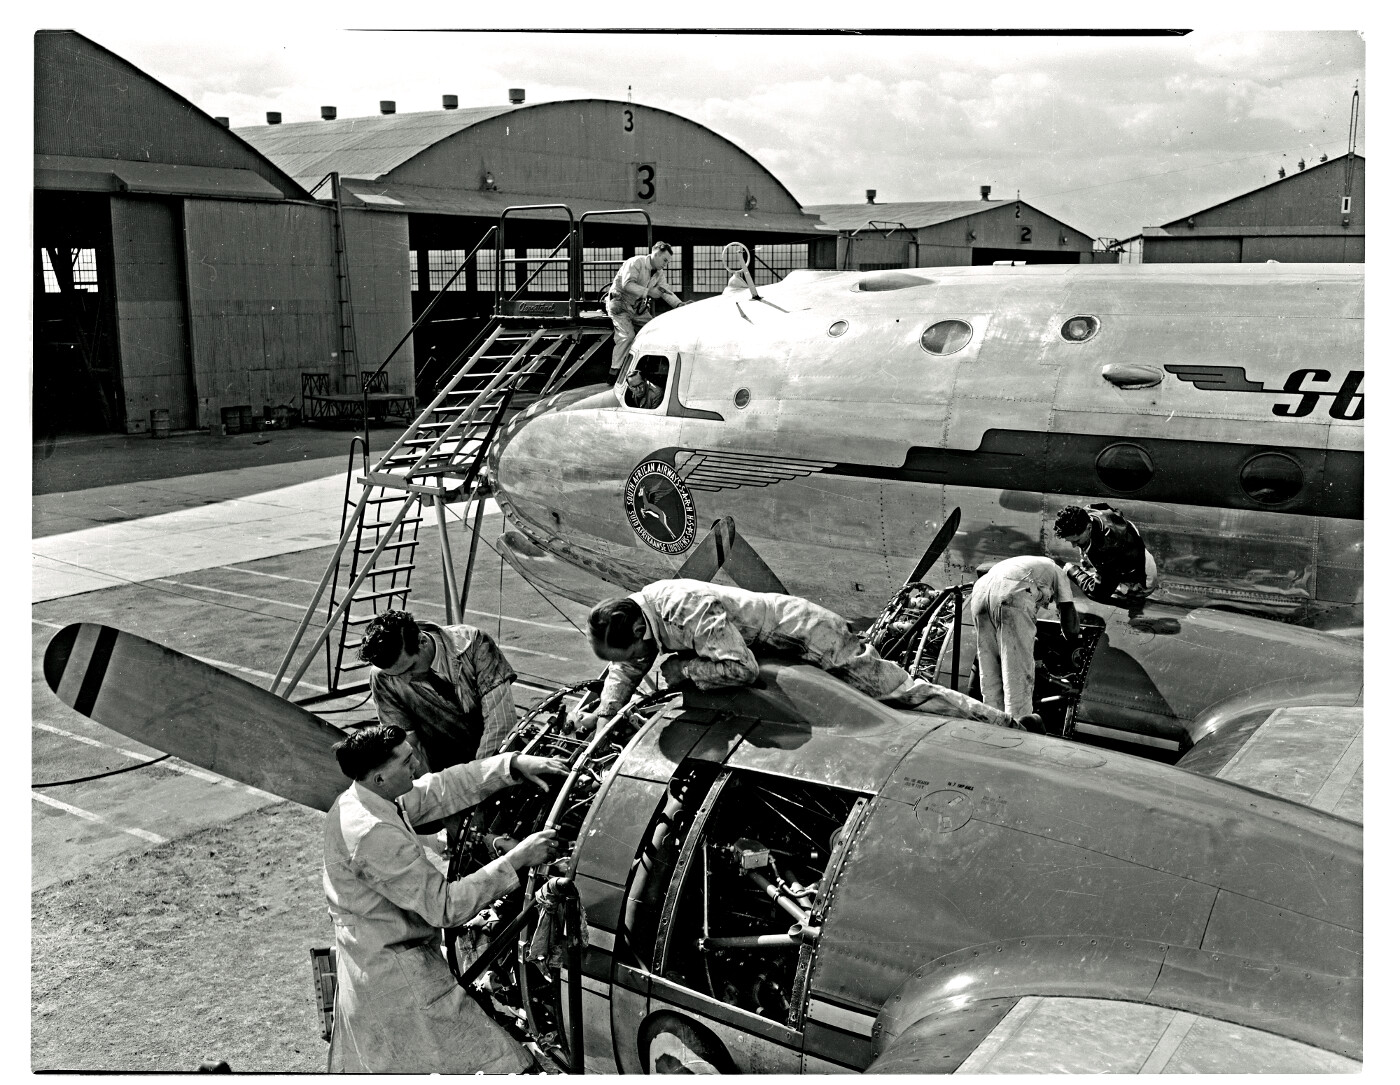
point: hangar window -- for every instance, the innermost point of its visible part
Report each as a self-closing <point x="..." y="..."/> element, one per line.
<point x="84" y="271"/>
<point x="550" y="273"/>
<point x="1272" y="478"/>
<point x="1124" y="468"/>
<point x="946" y="337"/>
<point x="773" y="262"/>
<point x="740" y="920"/>
<point x="486" y="271"/>
<point x="709" y="273"/>
<point x="1079" y="328"/>
<point x="442" y="265"/>
<point x="599" y="268"/>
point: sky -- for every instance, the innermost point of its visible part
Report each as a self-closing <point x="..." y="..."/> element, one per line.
<point x="1108" y="133"/>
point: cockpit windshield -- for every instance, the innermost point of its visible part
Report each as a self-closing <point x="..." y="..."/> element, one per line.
<point x="644" y="382"/>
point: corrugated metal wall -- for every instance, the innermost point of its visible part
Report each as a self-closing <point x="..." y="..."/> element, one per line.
<point x="948" y="243"/>
<point x="150" y="304"/>
<point x="1190" y="250"/>
<point x="90" y="102"/>
<point x="377" y="244"/>
<point x="263" y="304"/>
<point x="569" y="150"/>
<point x="1338" y="249"/>
<point x="1295" y="219"/>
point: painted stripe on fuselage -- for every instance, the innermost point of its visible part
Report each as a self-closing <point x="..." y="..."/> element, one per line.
<point x="1185" y="472"/>
<point x="850" y="1020"/>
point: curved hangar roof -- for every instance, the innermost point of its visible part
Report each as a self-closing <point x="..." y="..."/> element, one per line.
<point x="590" y="153"/>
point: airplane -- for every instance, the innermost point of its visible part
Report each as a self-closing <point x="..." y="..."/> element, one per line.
<point x="836" y="417"/>
<point x="793" y="877"/>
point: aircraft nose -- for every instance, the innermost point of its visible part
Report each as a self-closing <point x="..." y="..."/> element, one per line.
<point x="524" y="463"/>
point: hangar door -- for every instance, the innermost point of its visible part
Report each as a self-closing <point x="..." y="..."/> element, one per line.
<point x="77" y="376"/>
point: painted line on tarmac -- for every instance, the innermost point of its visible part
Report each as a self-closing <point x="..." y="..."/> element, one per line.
<point x="302" y="609"/>
<point x="88" y="815"/>
<point x="222" y="663"/>
<point x="420" y="602"/>
<point x="173" y="766"/>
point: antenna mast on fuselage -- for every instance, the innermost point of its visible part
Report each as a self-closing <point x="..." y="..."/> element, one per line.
<point x="1351" y="148"/>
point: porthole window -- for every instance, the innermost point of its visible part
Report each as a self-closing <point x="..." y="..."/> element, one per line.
<point x="1124" y="468"/>
<point x="1272" y="478"/>
<point x="839" y="328"/>
<point x="946" y="337"/>
<point x="741" y="397"/>
<point x="1079" y="328"/>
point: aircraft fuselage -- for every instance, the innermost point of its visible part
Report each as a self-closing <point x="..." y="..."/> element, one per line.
<point x="841" y="417"/>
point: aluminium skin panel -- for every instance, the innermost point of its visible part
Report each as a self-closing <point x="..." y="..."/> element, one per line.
<point x="1046" y="840"/>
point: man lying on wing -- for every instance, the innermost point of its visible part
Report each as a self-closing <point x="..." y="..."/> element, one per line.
<point x="713" y="629"/>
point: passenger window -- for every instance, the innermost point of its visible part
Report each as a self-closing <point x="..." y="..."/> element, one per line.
<point x="644" y="383"/>
<point x="1124" y="468"/>
<point x="748" y="887"/>
<point x="1078" y="329"/>
<point x="946" y="337"/>
<point x="1272" y="478"/>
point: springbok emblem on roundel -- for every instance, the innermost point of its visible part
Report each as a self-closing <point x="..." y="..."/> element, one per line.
<point x="660" y="507"/>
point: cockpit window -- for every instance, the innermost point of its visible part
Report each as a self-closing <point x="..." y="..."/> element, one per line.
<point x="644" y="384"/>
<point x="946" y="337"/>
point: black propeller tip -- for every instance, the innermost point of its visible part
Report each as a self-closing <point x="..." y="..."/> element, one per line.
<point x="57" y="653"/>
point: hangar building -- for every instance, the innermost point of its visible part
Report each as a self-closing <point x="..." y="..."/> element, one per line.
<point x="1315" y="215"/>
<point x="421" y="191"/>
<point x="871" y="236"/>
<point x="175" y="267"/>
<point x="185" y="267"/>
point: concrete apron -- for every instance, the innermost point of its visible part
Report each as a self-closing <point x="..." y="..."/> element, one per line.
<point x="302" y="516"/>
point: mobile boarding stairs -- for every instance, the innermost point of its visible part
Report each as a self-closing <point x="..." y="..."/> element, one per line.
<point x="531" y="347"/>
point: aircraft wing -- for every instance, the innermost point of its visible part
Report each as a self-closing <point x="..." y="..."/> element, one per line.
<point x="1105" y="1005"/>
<point x="1311" y="755"/>
<point x="1041" y="1034"/>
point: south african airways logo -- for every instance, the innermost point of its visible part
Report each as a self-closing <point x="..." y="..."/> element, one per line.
<point x="659" y="507"/>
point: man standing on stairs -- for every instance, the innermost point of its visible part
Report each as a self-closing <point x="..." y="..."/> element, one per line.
<point x="448" y="686"/>
<point x="637" y="281"/>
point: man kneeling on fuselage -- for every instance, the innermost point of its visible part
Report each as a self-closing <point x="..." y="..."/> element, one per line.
<point x="713" y="628"/>
<point x="397" y="1007"/>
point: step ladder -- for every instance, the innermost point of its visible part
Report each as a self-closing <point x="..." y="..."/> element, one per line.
<point x="437" y="461"/>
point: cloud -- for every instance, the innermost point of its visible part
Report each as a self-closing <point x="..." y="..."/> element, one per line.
<point x="1111" y="133"/>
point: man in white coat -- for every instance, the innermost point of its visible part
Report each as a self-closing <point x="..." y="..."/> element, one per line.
<point x="398" y="1008"/>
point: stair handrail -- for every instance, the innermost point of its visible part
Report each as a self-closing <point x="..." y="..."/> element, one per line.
<point x="507" y="380"/>
<point x="493" y="385"/>
<point x="501" y="251"/>
<point x="543" y="260"/>
<point x="344" y="517"/>
<point x="366" y="382"/>
<point x="446" y="391"/>
<point x="584" y="266"/>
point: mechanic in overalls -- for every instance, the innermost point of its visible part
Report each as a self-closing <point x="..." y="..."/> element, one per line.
<point x="713" y="630"/>
<point x="638" y="280"/>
